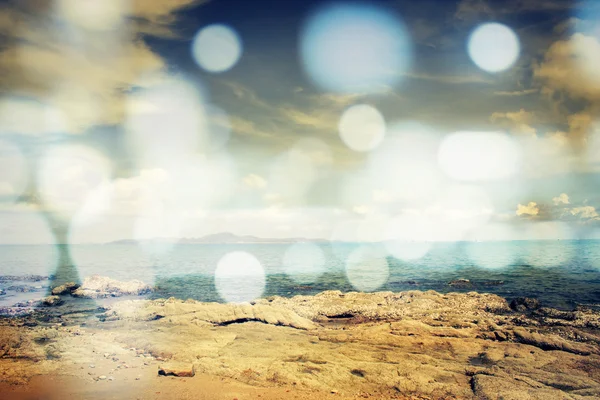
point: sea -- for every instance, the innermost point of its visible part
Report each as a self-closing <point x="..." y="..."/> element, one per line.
<point x="563" y="274"/>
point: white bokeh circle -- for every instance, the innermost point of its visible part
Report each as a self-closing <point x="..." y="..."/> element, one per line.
<point x="240" y="277"/>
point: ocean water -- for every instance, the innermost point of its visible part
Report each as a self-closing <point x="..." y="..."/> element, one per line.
<point x="561" y="274"/>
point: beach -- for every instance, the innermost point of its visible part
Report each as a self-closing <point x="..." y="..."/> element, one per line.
<point x="384" y="345"/>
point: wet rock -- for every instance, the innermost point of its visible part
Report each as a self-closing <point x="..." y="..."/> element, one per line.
<point x="492" y="283"/>
<point x="52" y="301"/>
<point x="100" y="287"/>
<point x="65" y="288"/>
<point x="21" y="288"/>
<point x="177" y="369"/>
<point x="522" y="304"/>
<point x="461" y="283"/>
<point x="23" y="278"/>
<point x="2" y="292"/>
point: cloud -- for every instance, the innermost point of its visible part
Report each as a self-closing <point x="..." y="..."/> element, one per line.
<point x="518" y="122"/>
<point x="516" y="93"/>
<point x="563" y="198"/>
<point x="531" y="209"/>
<point x="78" y="61"/>
<point x="585" y="212"/>
<point x="570" y="66"/>
<point x="450" y="79"/>
<point x="255" y="181"/>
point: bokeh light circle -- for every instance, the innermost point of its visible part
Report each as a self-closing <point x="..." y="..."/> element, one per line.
<point x="362" y="127"/>
<point x="68" y="175"/>
<point x="304" y="262"/>
<point x="494" y="47"/>
<point x="409" y="237"/>
<point x="479" y="156"/>
<point x="216" y="48"/>
<point x="13" y="171"/>
<point x="240" y="277"/>
<point x="367" y="268"/>
<point x="354" y="47"/>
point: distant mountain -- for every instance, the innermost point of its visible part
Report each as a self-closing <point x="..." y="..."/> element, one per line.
<point x="220" y="238"/>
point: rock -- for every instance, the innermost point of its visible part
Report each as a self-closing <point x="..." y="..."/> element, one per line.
<point x="2" y="292"/>
<point x="23" y="278"/>
<point x="111" y="378"/>
<point x="492" y="283"/>
<point x="92" y="366"/>
<point x="460" y="283"/>
<point x="182" y="312"/>
<point x="179" y="369"/>
<point x="52" y="301"/>
<point x="100" y="287"/>
<point x="21" y="288"/>
<point x="522" y="304"/>
<point x="492" y="388"/>
<point x="65" y="288"/>
<point x="102" y="377"/>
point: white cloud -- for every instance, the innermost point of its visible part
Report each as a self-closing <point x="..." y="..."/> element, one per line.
<point x="563" y="198"/>
<point x="585" y="212"/>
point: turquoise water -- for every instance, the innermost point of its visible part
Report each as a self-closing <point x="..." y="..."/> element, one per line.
<point x="560" y="273"/>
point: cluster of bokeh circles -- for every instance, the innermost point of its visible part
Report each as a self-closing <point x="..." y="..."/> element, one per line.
<point x="176" y="137"/>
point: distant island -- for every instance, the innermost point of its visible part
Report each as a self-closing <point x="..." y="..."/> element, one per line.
<point x="220" y="238"/>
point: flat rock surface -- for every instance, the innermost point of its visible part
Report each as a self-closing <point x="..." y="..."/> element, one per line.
<point x="410" y="345"/>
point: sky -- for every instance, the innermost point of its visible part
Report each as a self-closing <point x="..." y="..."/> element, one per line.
<point x="436" y="120"/>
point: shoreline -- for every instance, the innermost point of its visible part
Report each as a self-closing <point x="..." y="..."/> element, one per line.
<point x="349" y="345"/>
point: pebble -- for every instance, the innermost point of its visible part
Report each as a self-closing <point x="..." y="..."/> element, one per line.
<point x="102" y="377"/>
<point x="111" y="378"/>
<point x="92" y="366"/>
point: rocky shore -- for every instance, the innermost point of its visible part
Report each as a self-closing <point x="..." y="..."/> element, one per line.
<point x="409" y="345"/>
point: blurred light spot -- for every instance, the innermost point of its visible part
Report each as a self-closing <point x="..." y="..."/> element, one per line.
<point x="292" y="175"/>
<point x="362" y="128"/>
<point x="367" y="268"/>
<point x="216" y="48"/>
<point x="239" y="277"/>
<point x="354" y="47"/>
<point x="93" y="14"/>
<point x="479" y="156"/>
<point x="405" y="165"/>
<point x="304" y="262"/>
<point x="13" y="171"/>
<point x="408" y="237"/>
<point x="493" y="47"/>
<point x="166" y="122"/>
<point x="68" y="175"/>
<point x="463" y="208"/>
<point x="23" y="116"/>
<point x="219" y="130"/>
